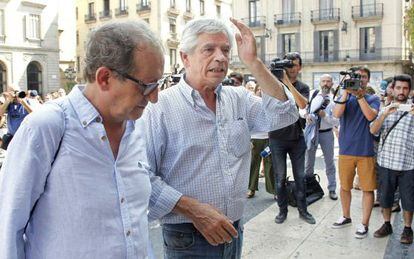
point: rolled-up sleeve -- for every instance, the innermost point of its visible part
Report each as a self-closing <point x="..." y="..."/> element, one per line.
<point x="163" y="197"/>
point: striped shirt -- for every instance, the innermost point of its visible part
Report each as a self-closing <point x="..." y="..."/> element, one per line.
<point x="205" y="155"/>
<point x="397" y="152"/>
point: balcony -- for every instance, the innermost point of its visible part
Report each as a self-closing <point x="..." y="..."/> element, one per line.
<point x="143" y="7"/>
<point x="173" y="12"/>
<point x="288" y="19"/>
<point x="105" y="14"/>
<point x="368" y="12"/>
<point x="121" y="11"/>
<point x="322" y="16"/>
<point x="255" y="21"/>
<point x="90" y="17"/>
<point x="188" y="15"/>
<point x="345" y="57"/>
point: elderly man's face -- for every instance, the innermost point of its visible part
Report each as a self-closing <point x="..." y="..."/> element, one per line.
<point x="326" y="84"/>
<point x="129" y="101"/>
<point x="207" y="65"/>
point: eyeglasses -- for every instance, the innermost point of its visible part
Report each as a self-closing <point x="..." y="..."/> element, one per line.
<point x="146" y="88"/>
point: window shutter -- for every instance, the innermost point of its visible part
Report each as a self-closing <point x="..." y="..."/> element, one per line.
<point x="316" y="45"/>
<point x="378" y="42"/>
<point x="336" y="45"/>
<point x="280" y="45"/>
<point x="297" y="40"/>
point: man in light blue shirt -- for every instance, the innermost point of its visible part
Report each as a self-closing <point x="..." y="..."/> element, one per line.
<point x="198" y="142"/>
<point x="74" y="183"/>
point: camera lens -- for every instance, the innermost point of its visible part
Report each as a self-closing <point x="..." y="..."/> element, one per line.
<point x="21" y="94"/>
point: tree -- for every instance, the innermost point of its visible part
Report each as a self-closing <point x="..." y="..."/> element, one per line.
<point x="409" y="25"/>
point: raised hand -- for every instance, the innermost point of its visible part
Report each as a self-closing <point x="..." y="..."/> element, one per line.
<point x="246" y="43"/>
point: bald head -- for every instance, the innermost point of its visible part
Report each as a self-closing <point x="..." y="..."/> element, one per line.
<point x="326" y="83"/>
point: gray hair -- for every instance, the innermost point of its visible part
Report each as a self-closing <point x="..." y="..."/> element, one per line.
<point x="327" y="75"/>
<point x="194" y="28"/>
<point x="112" y="45"/>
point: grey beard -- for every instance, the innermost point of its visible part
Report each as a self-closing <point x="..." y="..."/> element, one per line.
<point x="325" y="90"/>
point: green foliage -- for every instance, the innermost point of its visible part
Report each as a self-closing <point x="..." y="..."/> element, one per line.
<point x="69" y="85"/>
<point x="409" y="25"/>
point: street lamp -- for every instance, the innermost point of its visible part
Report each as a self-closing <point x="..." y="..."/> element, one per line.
<point x="70" y="73"/>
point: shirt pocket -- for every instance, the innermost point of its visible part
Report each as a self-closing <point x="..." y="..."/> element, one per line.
<point x="239" y="138"/>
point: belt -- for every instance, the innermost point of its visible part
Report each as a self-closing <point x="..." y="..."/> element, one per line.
<point x="325" y="130"/>
<point x="189" y="227"/>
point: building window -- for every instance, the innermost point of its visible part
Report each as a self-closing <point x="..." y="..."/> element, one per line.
<point x="201" y="7"/>
<point x="3" y="77"/>
<point x="1" y="22"/>
<point x="91" y="9"/>
<point x="76" y="12"/>
<point x="325" y="4"/>
<point x="326" y="45"/>
<point x="33" y="26"/>
<point x="172" y="3"/>
<point x="106" y="6"/>
<point x="173" y="28"/>
<point x="34" y="76"/>
<point x="173" y="57"/>
<point x="78" y="67"/>
<point x="188" y="6"/>
<point x="368" y="40"/>
<point x="289" y="43"/>
<point x="254" y="13"/>
<point x="144" y="2"/>
<point x="122" y="5"/>
<point x="218" y="10"/>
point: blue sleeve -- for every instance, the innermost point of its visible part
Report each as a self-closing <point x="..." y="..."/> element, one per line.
<point x="163" y="197"/>
<point x="24" y="173"/>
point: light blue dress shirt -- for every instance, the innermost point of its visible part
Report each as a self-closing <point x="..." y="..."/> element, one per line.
<point x="88" y="204"/>
<point x="205" y="155"/>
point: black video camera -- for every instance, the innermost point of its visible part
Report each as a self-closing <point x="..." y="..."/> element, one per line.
<point x="354" y="80"/>
<point x="278" y="65"/>
<point x="228" y="81"/>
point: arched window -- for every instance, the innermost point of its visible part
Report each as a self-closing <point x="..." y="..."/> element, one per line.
<point x="34" y="77"/>
<point x="3" y="78"/>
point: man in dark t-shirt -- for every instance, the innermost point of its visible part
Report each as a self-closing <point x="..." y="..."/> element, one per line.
<point x="290" y="140"/>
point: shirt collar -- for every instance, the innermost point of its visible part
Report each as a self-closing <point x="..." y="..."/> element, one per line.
<point x="190" y="94"/>
<point x="84" y="109"/>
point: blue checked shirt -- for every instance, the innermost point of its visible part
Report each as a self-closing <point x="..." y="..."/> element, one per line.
<point x="89" y="204"/>
<point x="206" y="156"/>
<point x="397" y="152"/>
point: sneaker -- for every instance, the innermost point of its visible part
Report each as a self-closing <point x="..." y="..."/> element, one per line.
<point x="361" y="231"/>
<point x="383" y="231"/>
<point x="250" y="194"/>
<point x="333" y="196"/>
<point x="342" y="222"/>
<point x="396" y="208"/>
<point x="407" y="236"/>
<point x="306" y="216"/>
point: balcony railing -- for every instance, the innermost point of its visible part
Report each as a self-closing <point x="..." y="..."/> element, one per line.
<point x="90" y="17"/>
<point x="367" y="11"/>
<point x="255" y="21"/>
<point x="121" y="11"/>
<point x="288" y="19"/>
<point x="105" y="14"/>
<point x="353" y="55"/>
<point x="143" y="6"/>
<point x="325" y="15"/>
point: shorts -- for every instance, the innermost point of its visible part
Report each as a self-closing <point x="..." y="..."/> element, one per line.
<point x="389" y="180"/>
<point x="365" y="167"/>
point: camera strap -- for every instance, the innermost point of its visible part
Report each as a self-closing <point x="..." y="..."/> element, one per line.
<point x="315" y="93"/>
<point x="393" y="126"/>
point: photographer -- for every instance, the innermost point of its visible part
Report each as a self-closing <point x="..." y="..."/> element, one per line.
<point x="319" y="112"/>
<point x="356" y="109"/>
<point x="290" y="140"/>
<point x="17" y="109"/>
<point x="395" y="157"/>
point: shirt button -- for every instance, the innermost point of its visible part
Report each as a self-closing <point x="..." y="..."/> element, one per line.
<point x="128" y="233"/>
<point x="122" y="200"/>
<point x="84" y="123"/>
<point x="98" y="119"/>
<point x="103" y="138"/>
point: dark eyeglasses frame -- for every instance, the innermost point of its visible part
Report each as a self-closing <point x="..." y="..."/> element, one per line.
<point x="146" y="88"/>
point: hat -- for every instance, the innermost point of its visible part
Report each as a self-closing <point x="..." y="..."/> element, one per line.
<point x="33" y="93"/>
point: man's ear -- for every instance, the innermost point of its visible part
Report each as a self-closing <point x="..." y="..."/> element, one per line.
<point x="184" y="58"/>
<point x="103" y="76"/>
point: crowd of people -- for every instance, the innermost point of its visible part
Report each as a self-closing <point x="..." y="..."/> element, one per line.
<point x="84" y="174"/>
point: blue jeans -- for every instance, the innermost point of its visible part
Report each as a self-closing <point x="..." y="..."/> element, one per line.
<point x="185" y="241"/>
<point x="296" y="150"/>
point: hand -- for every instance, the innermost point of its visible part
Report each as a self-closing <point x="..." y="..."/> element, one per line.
<point x="390" y="109"/>
<point x="246" y="43"/>
<point x="8" y="96"/>
<point x="212" y="224"/>
<point x="357" y="93"/>
<point x="286" y="80"/>
<point x="322" y="113"/>
<point x="309" y="119"/>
